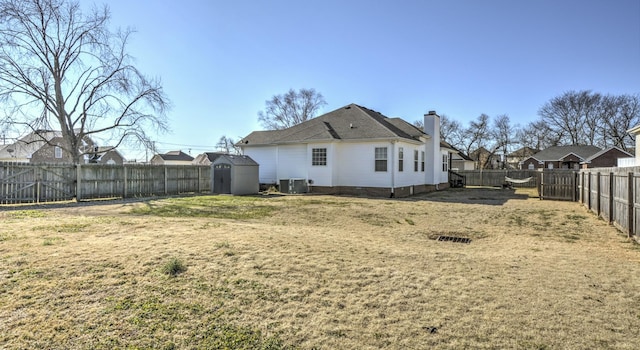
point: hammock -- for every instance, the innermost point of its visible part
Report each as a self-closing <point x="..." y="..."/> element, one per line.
<point x="517" y="181"/>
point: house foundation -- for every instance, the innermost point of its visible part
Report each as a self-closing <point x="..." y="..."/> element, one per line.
<point x="384" y="192"/>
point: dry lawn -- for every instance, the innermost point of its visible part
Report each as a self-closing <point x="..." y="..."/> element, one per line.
<point x="319" y="272"/>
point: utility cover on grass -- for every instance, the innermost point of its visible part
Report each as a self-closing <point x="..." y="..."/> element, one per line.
<point x="454" y="239"/>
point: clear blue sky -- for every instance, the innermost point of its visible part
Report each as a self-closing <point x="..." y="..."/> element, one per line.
<point x="219" y="61"/>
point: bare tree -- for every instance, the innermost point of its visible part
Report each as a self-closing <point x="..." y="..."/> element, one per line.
<point x="503" y="135"/>
<point x="292" y="108"/>
<point x="62" y="68"/>
<point x="451" y="131"/>
<point x="574" y="115"/>
<point x="477" y="133"/>
<point x="619" y="114"/>
<point x="537" y="135"/>
<point x="227" y="145"/>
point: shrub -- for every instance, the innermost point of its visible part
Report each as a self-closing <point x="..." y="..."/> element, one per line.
<point x="174" y="267"/>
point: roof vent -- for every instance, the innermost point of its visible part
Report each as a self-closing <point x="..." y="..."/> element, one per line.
<point x="347" y="107"/>
<point x="432" y="112"/>
<point x="350" y="125"/>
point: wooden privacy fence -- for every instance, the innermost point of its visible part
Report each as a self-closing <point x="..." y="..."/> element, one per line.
<point x="28" y="183"/>
<point x="613" y="194"/>
<point x="37" y="183"/>
<point x="554" y="184"/>
<point x="496" y="177"/>
<point x="559" y="185"/>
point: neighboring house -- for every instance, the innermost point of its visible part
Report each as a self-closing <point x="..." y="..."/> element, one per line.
<point x="41" y="146"/>
<point x="353" y="150"/>
<point x="484" y="159"/>
<point x="207" y="158"/>
<point x="461" y="161"/>
<point x="107" y="155"/>
<point x="574" y="157"/>
<point x="606" y="158"/>
<point x="515" y="158"/>
<point x="635" y="132"/>
<point x="457" y="159"/>
<point x="172" y="158"/>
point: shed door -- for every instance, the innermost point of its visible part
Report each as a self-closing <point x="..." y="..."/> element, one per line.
<point x="222" y="178"/>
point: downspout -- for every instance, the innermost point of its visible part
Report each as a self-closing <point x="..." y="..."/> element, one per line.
<point x="393" y="162"/>
<point x="278" y="167"/>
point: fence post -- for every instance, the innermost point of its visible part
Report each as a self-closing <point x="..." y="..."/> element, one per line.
<point x="574" y="185"/>
<point x="611" y="181"/>
<point x="599" y="192"/>
<point x="630" y="204"/>
<point x="38" y="190"/>
<point x="582" y="187"/>
<point x="589" y="192"/>
<point x="166" y="187"/>
<point x="78" y="180"/>
<point x="199" y="178"/>
<point x="124" y="192"/>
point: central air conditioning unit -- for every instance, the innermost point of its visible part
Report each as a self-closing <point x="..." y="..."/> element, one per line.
<point x="293" y="186"/>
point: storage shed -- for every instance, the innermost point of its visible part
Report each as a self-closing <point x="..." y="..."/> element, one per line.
<point x="234" y="174"/>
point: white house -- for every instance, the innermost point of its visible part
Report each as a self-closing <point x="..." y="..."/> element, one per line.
<point x="353" y="150"/>
<point x="635" y="161"/>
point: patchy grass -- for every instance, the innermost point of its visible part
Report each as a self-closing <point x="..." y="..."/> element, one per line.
<point x="287" y="272"/>
<point x="62" y="228"/>
<point x="222" y="207"/>
<point x="26" y="214"/>
<point x="52" y="240"/>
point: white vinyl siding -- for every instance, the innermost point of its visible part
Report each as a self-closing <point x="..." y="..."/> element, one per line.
<point x="349" y="164"/>
<point x="318" y="174"/>
<point x="266" y="158"/>
<point x="292" y="162"/>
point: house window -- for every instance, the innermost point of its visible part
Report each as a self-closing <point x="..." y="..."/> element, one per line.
<point x="318" y="156"/>
<point x="550" y="165"/>
<point x="445" y="162"/>
<point x="415" y="160"/>
<point x="381" y="159"/>
<point x="531" y="166"/>
<point x="57" y="151"/>
<point x="400" y="159"/>
<point x="422" y="161"/>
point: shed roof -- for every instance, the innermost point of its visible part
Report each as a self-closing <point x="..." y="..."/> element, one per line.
<point x="236" y="160"/>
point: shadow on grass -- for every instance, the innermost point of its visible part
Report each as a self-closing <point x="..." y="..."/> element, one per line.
<point x="474" y="195"/>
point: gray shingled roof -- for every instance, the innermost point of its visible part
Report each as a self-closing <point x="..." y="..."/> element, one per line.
<point x="558" y="152"/>
<point x="351" y="122"/>
<point x="240" y="160"/>
<point x="176" y="155"/>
